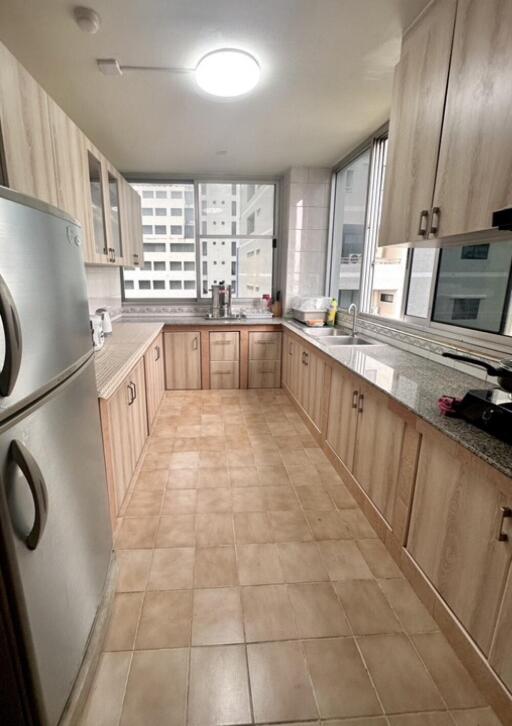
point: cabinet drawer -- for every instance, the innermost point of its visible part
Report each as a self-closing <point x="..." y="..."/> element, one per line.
<point x="264" y="346"/>
<point x="264" y="373"/>
<point x="182" y="361"/>
<point x="224" y="346"/>
<point x="224" y="374"/>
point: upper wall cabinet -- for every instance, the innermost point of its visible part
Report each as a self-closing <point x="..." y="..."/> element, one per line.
<point x="415" y="126"/>
<point x="47" y="156"/>
<point x="450" y="160"/>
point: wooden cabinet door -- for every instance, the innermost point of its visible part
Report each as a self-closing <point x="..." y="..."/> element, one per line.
<point x="453" y="533"/>
<point x="97" y="204"/>
<point x="378" y="451"/>
<point x="26" y="134"/>
<point x="131" y="224"/>
<point x="113" y="194"/>
<point x="182" y="361"/>
<point x="118" y="444"/>
<point x="500" y="655"/>
<point x="264" y="373"/>
<point x="138" y="411"/>
<point x="419" y="92"/>
<point x="224" y="346"/>
<point x="342" y="418"/>
<point x="474" y="173"/>
<point x="264" y="346"/>
<point x="154" y="378"/>
<point x="292" y="366"/>
<point x="224" y="374"/>
<point x="312" y="385"/>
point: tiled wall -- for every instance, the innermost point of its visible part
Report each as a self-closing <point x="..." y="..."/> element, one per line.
<point x="303" y="238"/>
<point x="104" y="288"/>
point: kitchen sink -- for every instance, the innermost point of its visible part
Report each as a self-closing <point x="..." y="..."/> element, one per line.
<point x="325" y="332"/>
<point x="348" y="340"/>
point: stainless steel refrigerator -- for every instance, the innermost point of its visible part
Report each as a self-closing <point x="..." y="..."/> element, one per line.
<point x="55" y="535"/>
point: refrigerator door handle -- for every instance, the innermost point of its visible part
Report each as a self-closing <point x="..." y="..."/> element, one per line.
<point x="21" y="456"/>
<point x="12" y="333"/>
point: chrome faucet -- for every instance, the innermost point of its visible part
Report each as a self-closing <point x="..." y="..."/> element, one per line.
<point x="353" y="310"/>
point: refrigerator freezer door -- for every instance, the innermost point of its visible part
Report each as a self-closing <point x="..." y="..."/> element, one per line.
<point x="52" y="478"/>
<point x="44" y="328"/>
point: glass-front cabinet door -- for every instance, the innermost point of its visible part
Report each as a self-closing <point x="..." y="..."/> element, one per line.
<point x="115" y="219"/>
<point x="97" y="205"/>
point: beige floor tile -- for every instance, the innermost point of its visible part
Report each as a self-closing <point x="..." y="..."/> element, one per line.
<point x="219" y="691"/>
<point x="435" y="718"/>
<point x="238" y="443"/>
<point x="261" y="439"/>
<point x="249" y="499"/>
<point x="166" y="620"/>
<point x="456" y="685"/>
<point x="157" y="688"/>
<point x="370" y="721"/>
<point x="214" y="528"/>
<point x="268" y="457"/>
<point x="290" y="526"/>
<point x="318" y="613"/>
<point x="176" y="530"/>
<point x="252" y="528"/>
<point x="123" y="621"/>
<point x="214" y="429"/>
<point x="215" y="567"/>
<point x="183" y="479"/>
<point x="213" y="478"/>
<point x="214" y="500"/>
<point x="273" y="475"/>
<point x="258" y="564"/>
<point x="294" y="456"/>
<point x="136" y="532"/>
<point x="329" y="525"/>
<point x="357" y="524"/>
<point x="212" y="459"/>
<point x="477" y="717"/>
<point x="172" y="569"/>
<point x="303" y="475"/>
<point x="411" y="612"/>
<point x="217" y="618"/>
<point x="340" y="679"/>
<point x="328" y="474"/>
<point x="105" y="701"/>
<point x="281" y="498"/>
<point x="211" y="443"/>
<point x="314" y="498"/>
<point x="340" y="495"/>
<point x="280" y="686"/>
<point x="144" y="503"/>
<point x="152" y="462"/>
<point x="188" y="430"/>
<point x="267" y="613"/>
<point x="184" y="460"/>
<point x="344" y="560"/>
<point x="152" y="480"/>
<point x="366" y="607"/>
<point x="400" y="677"/>
<point x="317" y="456"/>
<point x="301" y="562"/>
<point x="244" y="476"/>
<point x="240" y="457"/>
<point x="378" y="558"/>
<point x="179" y="501"/>
<point x="183" y="443"/>
<point x="133" y="569"/>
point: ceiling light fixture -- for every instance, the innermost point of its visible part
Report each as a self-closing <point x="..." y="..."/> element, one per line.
<point x="87" y="19"/>
<point x="227" y="72"/>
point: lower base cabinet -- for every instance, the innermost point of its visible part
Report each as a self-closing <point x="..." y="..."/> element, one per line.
<point x="182" y="361"/>
<point x="154" y="375"/>
<point x="264" y="373"/>
<point x="224" y="375"/>
<point x="125" y="428"/>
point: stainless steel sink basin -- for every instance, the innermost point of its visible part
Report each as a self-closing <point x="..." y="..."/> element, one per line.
<point x="348" y="340"/>
<point x="325" y="332"/>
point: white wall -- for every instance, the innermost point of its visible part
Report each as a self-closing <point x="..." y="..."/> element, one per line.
<point x="103" y="288"/>
<point x="304" y="226"/>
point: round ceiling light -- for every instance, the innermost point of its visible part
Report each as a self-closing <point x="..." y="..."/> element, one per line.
<point x="227" y="72"/>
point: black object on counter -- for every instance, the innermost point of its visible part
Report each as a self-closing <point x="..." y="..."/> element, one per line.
<point x="503" y="370"/>
<point x="490" y="410"/>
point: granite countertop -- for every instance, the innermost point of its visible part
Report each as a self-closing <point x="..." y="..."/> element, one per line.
<point x="197" y="320"/>
<point x="128" y="342"/>
<point x="417" y="383"/>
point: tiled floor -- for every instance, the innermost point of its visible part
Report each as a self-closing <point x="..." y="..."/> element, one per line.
<point x="253" y="590"/>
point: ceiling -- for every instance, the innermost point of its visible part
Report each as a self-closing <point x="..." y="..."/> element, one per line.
<point x="327" y="69"/>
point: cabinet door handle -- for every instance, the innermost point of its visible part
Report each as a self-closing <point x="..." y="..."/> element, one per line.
<point x="423" y="225"/>
<point x="131" y="397"/>
<point x="195" y="343"/>
<point x="434" y="225"/>
<point x="354" y="399"/>
<point x="157" y="351"/>
<point x="505" y="513"/>
<point x="134" y="391"/>
<point x="360" y="403"/>
<point x="306" y="359"/>
<point x="290" y="348"/>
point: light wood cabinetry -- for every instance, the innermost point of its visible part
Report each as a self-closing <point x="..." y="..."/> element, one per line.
<point x="131" y="224"/>
<point x="453" y="536"/>
<point x="291" y="365"/>
<point x="500" y="658"/>
<point x="419" y="91"/>
<point x="474" y="172"/>
<point x="224" y="360"/>
<point x="26" y="134"/>
<point x="264" y="360"/>
<point x="182" y="360"/>
<point x="224" y="374"/>
<point x="224" y="346"/>
<point x="342" y="418"/>
<point x="304" y="378"/>
<point x="154" y="377"/>
<point x="125" y="428"/>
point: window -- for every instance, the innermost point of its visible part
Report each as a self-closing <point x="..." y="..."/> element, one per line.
<point x="147" y="211"/>
<point x="232" y="240"/>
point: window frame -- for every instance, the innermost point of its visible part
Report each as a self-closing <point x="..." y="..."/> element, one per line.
<point x="414" y="324"/>
<point x="201" y="299"/>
